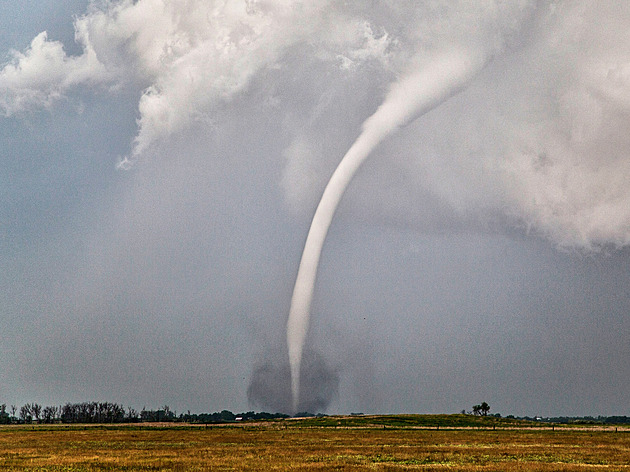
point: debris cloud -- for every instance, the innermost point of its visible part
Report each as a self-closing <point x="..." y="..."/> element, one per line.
<point x="269" y="387"/>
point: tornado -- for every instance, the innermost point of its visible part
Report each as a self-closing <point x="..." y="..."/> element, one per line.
<point x="416" y="93"/>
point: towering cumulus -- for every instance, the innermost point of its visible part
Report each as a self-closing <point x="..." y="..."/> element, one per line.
<point x="414" y="95"/>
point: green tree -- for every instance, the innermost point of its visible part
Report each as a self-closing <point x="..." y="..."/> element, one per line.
<point x="4" y="416"/>
<point x="481" y="410"/>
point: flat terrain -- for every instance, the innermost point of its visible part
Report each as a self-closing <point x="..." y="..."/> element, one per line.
<point x="352" y="443"/>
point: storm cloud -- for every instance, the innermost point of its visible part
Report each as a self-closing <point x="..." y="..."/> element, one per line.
<point x="161" y="162"/>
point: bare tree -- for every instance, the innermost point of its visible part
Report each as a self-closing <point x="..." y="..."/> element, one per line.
<point x="36" y="409"/>
<point x="26" y="414"/>
<point x="49" y="414"/>
<point x="132" y="415"/>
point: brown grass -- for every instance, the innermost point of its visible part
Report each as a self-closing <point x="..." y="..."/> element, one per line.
<point x="285" y="446"/>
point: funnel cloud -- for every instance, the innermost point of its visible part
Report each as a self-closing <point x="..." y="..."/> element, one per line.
<point x="410" y="98"/>
<point x="439" y="78"/>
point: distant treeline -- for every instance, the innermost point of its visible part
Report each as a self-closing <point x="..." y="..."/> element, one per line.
<point x="590" y="420"/>
<point x="577" y="419"/>
<point x="105" y="412"/>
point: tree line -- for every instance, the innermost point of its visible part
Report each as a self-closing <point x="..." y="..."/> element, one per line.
<point x="611" y="420"/>
<point x="105" y="412"/>
<point x="483" y="409"/>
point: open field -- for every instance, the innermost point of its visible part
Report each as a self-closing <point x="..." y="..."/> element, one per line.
<point x="331" y="443"/>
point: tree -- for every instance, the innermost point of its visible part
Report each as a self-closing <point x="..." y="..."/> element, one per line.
<point x="481" y="410"/>
<point x="49" y="414"/>
<point x="227" y="415"/>
<point x="26" y="414"/>
<point x="36" y="409"/>
<point x="4" y="416"/>
<point x="132" y="415"/>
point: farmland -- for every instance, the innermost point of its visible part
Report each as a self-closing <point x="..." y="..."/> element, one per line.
<point x="401" y="442"/>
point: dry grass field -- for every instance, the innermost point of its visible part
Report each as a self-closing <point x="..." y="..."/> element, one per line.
<point x="369" y="444"/>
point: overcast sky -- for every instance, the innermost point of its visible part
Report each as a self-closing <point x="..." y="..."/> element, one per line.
<point x="160" y="162"/>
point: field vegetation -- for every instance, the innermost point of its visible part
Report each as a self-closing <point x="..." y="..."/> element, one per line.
<point x="398" y="442"/>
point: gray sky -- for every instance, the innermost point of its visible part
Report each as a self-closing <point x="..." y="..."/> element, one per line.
<point x="160" y="166"/>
